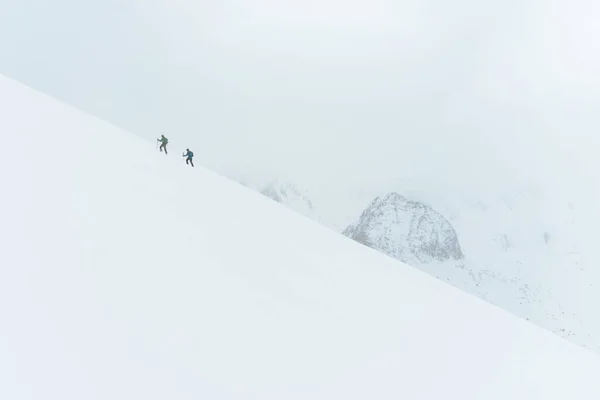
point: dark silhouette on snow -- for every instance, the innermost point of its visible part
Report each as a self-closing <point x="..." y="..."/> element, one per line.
<point x="164" y="141"/>
<point x="189" y="156"/>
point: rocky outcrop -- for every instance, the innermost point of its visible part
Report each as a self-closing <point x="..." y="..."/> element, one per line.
<point x="286" y="193"/>
<point x="407" y="230"/>
<point x="290" y="196"/>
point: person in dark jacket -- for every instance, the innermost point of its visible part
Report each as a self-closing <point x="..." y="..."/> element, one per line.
<point x="164" y="141"/>
<point x="189" y="154"/>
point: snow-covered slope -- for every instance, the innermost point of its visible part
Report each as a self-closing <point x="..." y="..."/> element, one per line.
<point x="533" y="251"/>
<point x="536" y="266"/>
<point x="126" y="274"/>
<point x="529" y="250"/>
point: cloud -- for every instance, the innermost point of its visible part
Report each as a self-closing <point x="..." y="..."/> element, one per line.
<point x="361" y="93"/>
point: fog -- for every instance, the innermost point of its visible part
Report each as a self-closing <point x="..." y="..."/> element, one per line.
<point x="331" y="92"/>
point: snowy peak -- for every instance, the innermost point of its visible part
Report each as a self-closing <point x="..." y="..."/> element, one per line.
<point x="288" y="194"/>
<point x="407" y="230"/>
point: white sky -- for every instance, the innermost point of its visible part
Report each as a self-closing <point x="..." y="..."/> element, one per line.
<point x="357" y="92"/>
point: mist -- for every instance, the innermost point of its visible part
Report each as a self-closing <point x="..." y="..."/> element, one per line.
<point x="331" y="93"/>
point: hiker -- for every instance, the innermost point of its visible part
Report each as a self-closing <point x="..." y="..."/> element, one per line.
<point x="189" y="156"/>
<point x="164" y="142"/>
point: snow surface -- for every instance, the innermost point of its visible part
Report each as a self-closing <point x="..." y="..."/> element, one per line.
<point x="529" y="248"/>
<point x="126" y="274"/>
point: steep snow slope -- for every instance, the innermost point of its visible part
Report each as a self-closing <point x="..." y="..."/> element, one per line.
<point x="128" y="275"/>
<point x="530" y="249"/>
<point x="523" y="254"/>
<point x="544" y="239"/>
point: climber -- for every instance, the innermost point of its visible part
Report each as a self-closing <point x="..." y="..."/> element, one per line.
<point x="164" y="142"/>
<point x="189" y="156"/>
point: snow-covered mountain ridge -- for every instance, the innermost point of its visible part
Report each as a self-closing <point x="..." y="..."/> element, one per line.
<point x="527" y="251"/>
<point x="118" y="284"/>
